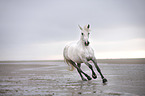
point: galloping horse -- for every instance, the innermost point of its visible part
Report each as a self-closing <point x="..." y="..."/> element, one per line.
<point x="81" y="52"/>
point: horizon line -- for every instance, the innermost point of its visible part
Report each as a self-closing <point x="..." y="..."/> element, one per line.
<point x="63" y="59"/>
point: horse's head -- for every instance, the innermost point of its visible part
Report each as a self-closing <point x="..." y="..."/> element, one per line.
<point x="85" y="34"/>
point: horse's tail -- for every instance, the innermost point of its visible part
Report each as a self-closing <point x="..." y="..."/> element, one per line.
<point x="69" y="64"/>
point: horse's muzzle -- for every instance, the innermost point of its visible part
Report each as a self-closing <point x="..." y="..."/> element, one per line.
<point x="87" y="43"/>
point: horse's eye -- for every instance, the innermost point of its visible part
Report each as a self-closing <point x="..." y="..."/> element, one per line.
<point x="82" y="33"/>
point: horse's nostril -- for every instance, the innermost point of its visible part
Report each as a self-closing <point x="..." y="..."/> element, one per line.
<point x="87" y="43"/>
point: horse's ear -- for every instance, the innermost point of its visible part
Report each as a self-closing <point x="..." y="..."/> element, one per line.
<point x="80" y="27"/>
<point x="88" y="26"/>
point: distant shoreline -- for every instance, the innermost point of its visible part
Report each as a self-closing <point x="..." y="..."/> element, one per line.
<point x="112" y="61"/>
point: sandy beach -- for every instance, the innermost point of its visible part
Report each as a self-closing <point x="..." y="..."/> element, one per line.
<point x="53" y="79"/>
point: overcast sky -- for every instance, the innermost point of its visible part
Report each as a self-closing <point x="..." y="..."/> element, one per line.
<point x="39" y="29"/>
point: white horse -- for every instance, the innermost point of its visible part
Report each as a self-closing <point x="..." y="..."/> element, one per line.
<point x="80" y="52"/>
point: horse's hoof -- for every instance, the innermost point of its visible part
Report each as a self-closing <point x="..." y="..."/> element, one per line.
<point x="94" y="76"/>
<point x="89" y="78"/>
<point x="104" y="80"/>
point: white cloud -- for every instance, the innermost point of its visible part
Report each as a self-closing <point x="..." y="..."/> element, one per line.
<point x="117" y="33"/>
<point x="133" y="48"/>
<point x="125" y="45"/>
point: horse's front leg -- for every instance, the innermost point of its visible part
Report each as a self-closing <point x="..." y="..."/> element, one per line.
<point x="90" y="66"/>
<point x="98" y="69"/>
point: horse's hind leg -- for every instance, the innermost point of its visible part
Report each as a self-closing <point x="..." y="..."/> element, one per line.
<point x="79" y="70"/>
<point x="79" y="65"/>
<point x="98" y="69"/>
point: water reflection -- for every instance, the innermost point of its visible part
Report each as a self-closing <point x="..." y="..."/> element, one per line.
<point x="84" y="88"/>
<point x="92" y="88"/>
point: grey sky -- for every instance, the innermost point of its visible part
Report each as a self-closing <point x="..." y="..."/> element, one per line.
<point x="39" y="29"/>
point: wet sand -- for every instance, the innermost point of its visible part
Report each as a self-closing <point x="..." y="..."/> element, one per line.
<point x="53" y="79"/>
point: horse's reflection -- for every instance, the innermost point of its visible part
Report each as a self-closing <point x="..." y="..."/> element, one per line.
<point x="84" y="88"/>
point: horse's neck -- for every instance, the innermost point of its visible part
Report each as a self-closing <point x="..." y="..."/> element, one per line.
<point x="80" y="44"/>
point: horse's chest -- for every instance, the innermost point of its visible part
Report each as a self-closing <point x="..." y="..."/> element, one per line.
<point x="87" y="54"/>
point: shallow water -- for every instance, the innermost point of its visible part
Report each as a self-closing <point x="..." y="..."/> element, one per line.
<point x="53" y="79"/>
